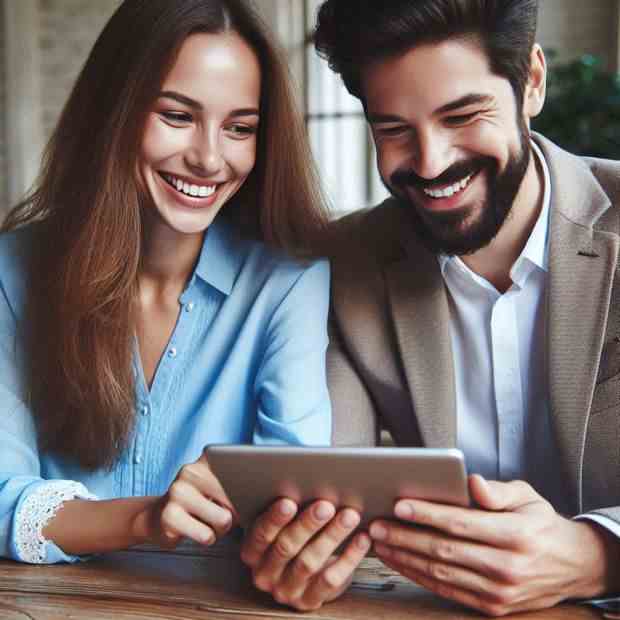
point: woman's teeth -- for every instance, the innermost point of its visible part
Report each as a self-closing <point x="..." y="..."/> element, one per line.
<point x="201" y="191"/>
<point x="459" y="186"/>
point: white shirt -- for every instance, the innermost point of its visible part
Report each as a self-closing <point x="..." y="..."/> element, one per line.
<point x="498" y="345"/>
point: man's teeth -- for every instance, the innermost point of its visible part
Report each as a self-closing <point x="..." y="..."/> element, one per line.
<point x="202" y="191"/>
<point x="449" y="191"/>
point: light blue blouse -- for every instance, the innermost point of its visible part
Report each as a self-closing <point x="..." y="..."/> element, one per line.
<point x="245" y="363"/>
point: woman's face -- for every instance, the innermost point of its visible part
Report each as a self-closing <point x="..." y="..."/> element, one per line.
<point x="199" y="144"/>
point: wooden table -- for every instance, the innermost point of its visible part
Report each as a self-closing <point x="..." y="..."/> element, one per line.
<point x="191" y="583"/>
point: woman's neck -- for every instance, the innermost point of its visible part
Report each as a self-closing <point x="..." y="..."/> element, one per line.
<point x="168" y="258"/>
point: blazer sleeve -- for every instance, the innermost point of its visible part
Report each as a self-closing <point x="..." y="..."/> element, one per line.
<point x="355" y="421"/>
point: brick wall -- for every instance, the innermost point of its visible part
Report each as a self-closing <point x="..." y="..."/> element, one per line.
<point x="575" y="27"/>
<point x="67" y="31"/>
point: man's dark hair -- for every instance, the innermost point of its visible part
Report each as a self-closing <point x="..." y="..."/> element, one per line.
<point x="350" y="34"/>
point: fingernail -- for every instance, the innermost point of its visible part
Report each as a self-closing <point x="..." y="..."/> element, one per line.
<point x="404" y="510"/>
<point x="350" y="518"/>
<point x="378" y="531"/>
<point x="323" y="511"/>
<point x="287" y="508"/>
<point x="363" y="542"/>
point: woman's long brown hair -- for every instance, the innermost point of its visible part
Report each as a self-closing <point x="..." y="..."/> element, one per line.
<point x="86" y="222"/>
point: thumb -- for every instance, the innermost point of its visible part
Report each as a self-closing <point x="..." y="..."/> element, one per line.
<point x="501" y="496"/>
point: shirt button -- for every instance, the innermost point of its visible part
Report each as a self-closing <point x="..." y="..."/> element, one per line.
<point x="138" y="459"/>
<point x="145" y="410"/>
<point x="189" y="307"/>
<point x="172" y="352"/>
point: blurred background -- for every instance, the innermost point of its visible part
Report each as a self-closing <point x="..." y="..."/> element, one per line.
<point x="43" y="44"/>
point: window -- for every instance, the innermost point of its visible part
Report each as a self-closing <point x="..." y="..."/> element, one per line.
<point x="339" y="136"/>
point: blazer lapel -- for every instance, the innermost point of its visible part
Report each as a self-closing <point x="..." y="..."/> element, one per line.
<point x="581" y="267"/>
<point x="419" y="310"/>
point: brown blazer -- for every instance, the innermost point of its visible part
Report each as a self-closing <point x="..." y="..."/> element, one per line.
<point x="390" y="355"/>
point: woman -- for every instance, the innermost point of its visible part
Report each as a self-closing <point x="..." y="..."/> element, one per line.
<point x="146" y="306"/>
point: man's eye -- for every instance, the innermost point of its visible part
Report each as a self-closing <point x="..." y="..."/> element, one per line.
<point x="391" y="130"/>
<point x="460" y="119"/>
<point x="177" y="118"/>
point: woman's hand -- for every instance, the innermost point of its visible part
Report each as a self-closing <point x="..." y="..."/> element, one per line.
<point x="195" y="507"/>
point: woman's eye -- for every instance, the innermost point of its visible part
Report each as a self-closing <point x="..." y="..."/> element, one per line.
<point x="177" y="118"/>
<point x="460" y="119"/>
<point x="241" y="131"/>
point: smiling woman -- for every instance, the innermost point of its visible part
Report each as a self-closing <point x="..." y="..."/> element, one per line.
<point x="137" y="323"/>
<point x="199" y="143"/>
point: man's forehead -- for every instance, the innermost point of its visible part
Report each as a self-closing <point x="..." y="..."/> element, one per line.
<point x="434" y="75"/>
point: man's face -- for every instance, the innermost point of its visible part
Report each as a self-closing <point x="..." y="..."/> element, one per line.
<point x="450" y="141"/>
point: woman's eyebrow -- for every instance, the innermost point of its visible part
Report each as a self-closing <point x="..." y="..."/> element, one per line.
<point x="196" y="105"/>
<point x="184" y="99"/>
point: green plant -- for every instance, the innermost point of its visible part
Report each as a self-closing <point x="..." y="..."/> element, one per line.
<point x="582" y="111"/>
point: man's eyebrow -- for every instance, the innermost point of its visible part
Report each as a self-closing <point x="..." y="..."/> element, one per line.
<point x="196" y="105"/>
<point x="384" y="118"/>
<point x="462" y="102"/>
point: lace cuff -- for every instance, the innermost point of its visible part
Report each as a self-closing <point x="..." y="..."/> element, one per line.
<point x="37" y="510"/>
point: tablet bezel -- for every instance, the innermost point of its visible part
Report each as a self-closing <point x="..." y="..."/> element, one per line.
<point x="367" y="479"/>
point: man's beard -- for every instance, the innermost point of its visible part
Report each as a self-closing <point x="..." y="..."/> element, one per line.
<point x="450" y="233"/>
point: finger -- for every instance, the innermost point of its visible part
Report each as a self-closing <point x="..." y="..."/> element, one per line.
<point x="177" y="523"/>
<point x="494" y="604"/>
<point x="440" y="571"/>
<point x="189" y="498"/>
<point x="265" y="530"/>
<point x="317" y="552"/>
<point x="438" y="547"/>
<point x="337" y="576"/>
<point x="502" y="496"/>
<point x="290" y="541"/>
<point x="468" y="599"/>
<point x="199" y="474"/>
<point x="491" y="528"/>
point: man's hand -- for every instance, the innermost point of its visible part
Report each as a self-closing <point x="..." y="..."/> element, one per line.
<point x="512" y="553"/>
<point x="292" y="558"/>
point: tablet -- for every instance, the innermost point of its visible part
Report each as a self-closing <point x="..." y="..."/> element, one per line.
<point x="367" y="479"/>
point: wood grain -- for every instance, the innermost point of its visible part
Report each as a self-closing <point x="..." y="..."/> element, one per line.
<point x="192" y="583"/>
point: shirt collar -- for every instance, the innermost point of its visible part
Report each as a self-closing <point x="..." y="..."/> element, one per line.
<point x="536" y="249"/>
<point x="220" y="259"/>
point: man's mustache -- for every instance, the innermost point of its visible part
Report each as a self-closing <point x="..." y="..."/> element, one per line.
<point x="456" y="172"/>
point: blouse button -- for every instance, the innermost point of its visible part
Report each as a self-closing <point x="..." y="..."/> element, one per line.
<point x="189" y="307"/>
<point x="138" y="459"/>
<point x="172" y="352"/>
<point x="145" y="410"/>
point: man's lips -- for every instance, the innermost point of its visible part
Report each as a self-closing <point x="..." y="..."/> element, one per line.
<point x="442" y="197"/>
<point x="447" y="191"/>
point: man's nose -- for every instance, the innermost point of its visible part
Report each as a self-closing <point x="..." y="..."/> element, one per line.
<point x="433" y="154"/>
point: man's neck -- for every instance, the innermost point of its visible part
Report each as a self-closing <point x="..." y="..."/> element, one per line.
<point x="494" y="261"/>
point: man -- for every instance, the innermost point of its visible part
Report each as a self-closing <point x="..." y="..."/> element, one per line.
<point x="479" y="307"/>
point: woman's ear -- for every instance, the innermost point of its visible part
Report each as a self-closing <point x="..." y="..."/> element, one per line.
<point x="536" y="87"/>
